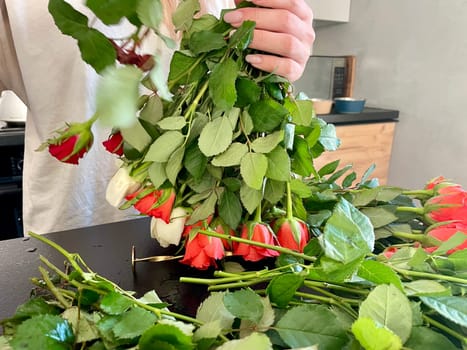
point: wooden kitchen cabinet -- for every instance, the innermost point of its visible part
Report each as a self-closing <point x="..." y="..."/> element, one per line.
<point x="363" y="145"/>
<point x="331" y="10"/>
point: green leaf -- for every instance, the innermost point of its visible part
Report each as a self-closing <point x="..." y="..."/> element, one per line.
<point x="183" y="15"/>
<point x="250" y="197"/>
<point x="282" y="288"/>
<point x="114" y="303"/>
<point x="172" y="123"/>
<point x="302" y="161"/>
<point x="158" y="78"/>
<point x="157" y="174"/>
<point x="84" y="329"/>
<point x="379" y="273"/>
<point x="204" y="210"/>
<point x="267" y="114"/>
<point x="256" y="341"/>
<point x="152" y="111"/>
<point x="328" y="138"/>
<point x="212" y="309"/>
<point x="164" y="336"/>
<point x="185" y="69"/>
<point x="230" y="209"/>
<point x="215" y="137"/>
<point x="278" y="165"/>
<point x="330" y="270"/>
<point x="96" y="49"/>
<point x="117" y="96"/>
<point x="379" y="216"/>
<point x="348" y="234"/>
<point x="253" y="168"/>
<point x="66" y="18"/>
<point x="248" y="92"/>
<point x="267" y="143"/>
<point x="136" y="136"/>
<point x="425" y="288"/>
<point x="299" y="188"/>
<point x="424" y="338"/>
<point x="133" y="323"/>
<point x="389" y="307"/>
<point x="174" y="165"/>
<point x="459" y="259"/>
<point x="454" y="241"/>
<point x="150" y="13"/>
<point x="452" y="308"/>
<point x="242" y="36"/>
<point x="232" y="156"/>
<point x="164" y="146"/>
<point x="49" y="332"/>
<point x="195" y="161"/>
<point x="222" y="84"/>
<point x="305" y="325"/>
<point x="112" y="11"/>
<point x="329" y="168"/>
<point x="274" y="191"/>
<point x="35" y="306"/>
<point x="374" y="337"/>
<point x="301" y="111"/>
<point x="205" y="41"/>
<point x="244" y="304"/>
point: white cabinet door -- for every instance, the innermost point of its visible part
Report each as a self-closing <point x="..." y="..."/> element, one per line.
<point x="331" y="10"/>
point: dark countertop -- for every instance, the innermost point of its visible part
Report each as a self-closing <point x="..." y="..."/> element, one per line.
<point x="369" y="115"/>
<point x="107" y="251"/>
<point x="12" y="136"/>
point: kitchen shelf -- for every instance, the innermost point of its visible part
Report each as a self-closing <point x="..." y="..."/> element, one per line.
<point x="368" y="115"/>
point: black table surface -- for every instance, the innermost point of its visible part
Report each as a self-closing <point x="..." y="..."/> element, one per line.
<point x="107" y="251"/>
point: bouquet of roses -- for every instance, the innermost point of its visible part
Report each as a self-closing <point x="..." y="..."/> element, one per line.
<point x="221" y="157"/>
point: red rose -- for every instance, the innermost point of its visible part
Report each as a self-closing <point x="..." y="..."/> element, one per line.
<point x="257" y="232"/>
<point x="70" y="148"/>
<point x="155" y="203"/>
<point x="114" y="143"/>
<point x="202" y="251"/>
<point x="389" y="252"/>
<point x="448" y="206"/>
<point x="441" y="186"/>
<point x="200" y="225"/>
<point x="444" y="232"/>
<point x="292" y="234"/>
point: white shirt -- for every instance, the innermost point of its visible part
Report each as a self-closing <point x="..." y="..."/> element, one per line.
<point x="59" y="87"/>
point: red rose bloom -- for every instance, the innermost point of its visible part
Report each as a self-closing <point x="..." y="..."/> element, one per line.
<point x="448" y="206"/>
<point x="292" y="234"/>
<point x="202" y="251"/>
<point x="156" y="203"/>
<point x="114" y="143"/>
<point x="256" y="232"/>
<point x="444" y="232"/>
<point x="72" y="148"/>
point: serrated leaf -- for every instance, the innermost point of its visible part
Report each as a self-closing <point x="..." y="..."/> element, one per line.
<point x="185" y="69"/>
<point x="257" y="341"/>
<point x="250" y="197"/>
<point x="183" y="15"/>
<point x="424" y="338"/>
<point x="248" y="91"/>
<point x="133" y="323"/>
<point x="96" y="49"/>
<point x="150" y="13"/>
<point x="267" y="114"/>
<point x="389" y="307"/>
<point x="425" y="288"/>
<point x="248" y="327"/>
<point x="348" y="234"/>
<point x="302" y="161"/>
<point x="204" y="210"/>
<point x="216" y="137"/>
<point x="379" y="216"/>
<point x="44" y="332"/>
<point x="230" y="209"/>
<point x="152" y="111"/>
<point x="267" y="143"/>
<point x="66" y="18"/>
<point x="459" y="259"/>
<point x="80" y="321"/>
<point x="299" y="188"/>
<point x="205" y="41"/>
<point x="282" y="288"/>
<point x="301" y="111"/>
<point x="212" y="309"/>
<point x="253" y="167"/>
<point x="278" y="165"/>
<point x="374" y="337"/>
<point x="164" y="336"/>
<point x="379" y="273"/>
<point x="453" y="308"/>
<point x="328" y="138"/>
<point x="195" y="161"/>
<point x="274" y="191"/>
<point x="157" y="174"/>
<point x="112" y="11"/>
<point x="232" y="156"/>
<point x="222" y="84"/>
<point x="172" y="123"/>
<point x="242" y="36"/>
<point x="114" y="303"/>
<point x="174" y="165"/>
<point x="311" y="324"/>
<point x="244" y="304"/>
<point x="158" y="78"/>
<point x="209" y="330"/>
<point x="35" y="306"/>
<point x="136" y="136"/>
<point x="164" y="146"/>
<point x="117" y="96"/>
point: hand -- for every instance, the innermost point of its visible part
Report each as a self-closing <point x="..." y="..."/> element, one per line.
<point x="284" y="31"/>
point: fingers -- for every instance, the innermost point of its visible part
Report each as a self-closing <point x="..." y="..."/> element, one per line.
<point x="284" y="32"/>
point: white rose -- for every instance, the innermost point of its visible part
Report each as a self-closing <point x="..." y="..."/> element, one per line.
<point x="170" y="233"/>
<point x="120" y="186"/>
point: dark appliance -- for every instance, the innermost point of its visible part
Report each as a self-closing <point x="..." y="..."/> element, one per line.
<point x="11" y="168"/>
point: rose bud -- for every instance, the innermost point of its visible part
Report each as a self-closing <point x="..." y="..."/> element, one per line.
<point x="71" y="144"/>
<point x="441" y="186"/>
<point x="169" y="233"/>
<point x="120" y="186"/>
<point x="292" y="233"/>
<point x="152" y="202"/>
<point x="443" y="233"/>
<point x="258" y="232"/>
<point x="202" y="251"/>
<point x="114" y="144"/>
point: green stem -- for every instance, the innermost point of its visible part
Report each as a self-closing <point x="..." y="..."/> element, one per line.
<point x="259" y="244"/>
<point x="53" y="289"/>
<point x="311" y="284"/>
<point x="445" y="329"/>
<point x="289" y="202"/>
<point x="432" y="276"/>
<point x="419" y="237"/>
<point x="418" y="193"/>
<point x="238" y="284"/>
<point x="419" y="211"/>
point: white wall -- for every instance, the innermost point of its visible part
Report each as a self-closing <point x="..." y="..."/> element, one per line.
<point x="411" y="56"/>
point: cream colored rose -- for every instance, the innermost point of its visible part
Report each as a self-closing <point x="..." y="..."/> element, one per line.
<point x="120" y="186"/>
<point x="170" y="233"/>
